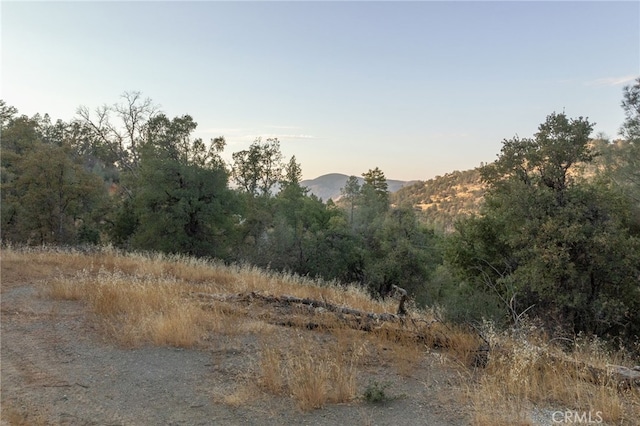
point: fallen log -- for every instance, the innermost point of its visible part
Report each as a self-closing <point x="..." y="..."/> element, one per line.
<point x="419" y="330"/>
<point x="626" y="377"/>
<point x="312" y="303"/>
<point x="406" y="329"/>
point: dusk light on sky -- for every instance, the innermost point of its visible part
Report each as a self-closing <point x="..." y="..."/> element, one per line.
<point x="417" y="89"/>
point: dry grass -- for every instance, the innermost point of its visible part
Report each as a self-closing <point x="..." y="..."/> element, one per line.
<point x="136" y="310"/>
<point x="271" y="370"/>
<point x="313" y="373"/>
<point x="149" y="299"/>
<point x="521" y="376"/>
<point x="397" y="348"/>
<point x="242" y="395"/>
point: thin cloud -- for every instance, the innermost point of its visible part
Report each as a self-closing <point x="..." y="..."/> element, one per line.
<point x="280" y="136"/>
<point x="611" y="81"/>
<point x="223" y="130"/>
<point x="283" y="127"/>
<point x="298" y="136"/>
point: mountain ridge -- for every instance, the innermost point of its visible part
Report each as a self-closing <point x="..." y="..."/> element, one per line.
<point x="328" y="186"/>
<point x="438" y="201"/>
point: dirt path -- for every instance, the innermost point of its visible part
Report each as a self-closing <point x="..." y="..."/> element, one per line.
<point x="56" y="369"/>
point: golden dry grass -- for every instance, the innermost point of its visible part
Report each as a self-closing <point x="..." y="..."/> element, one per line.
<point x="152" y="299"/>
<point x="522" y="375"/>
<point x="314" y="373"/>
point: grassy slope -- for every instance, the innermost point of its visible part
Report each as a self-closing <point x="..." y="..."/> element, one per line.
<point x="443" y="199"/>
<point x="140" y="300"/>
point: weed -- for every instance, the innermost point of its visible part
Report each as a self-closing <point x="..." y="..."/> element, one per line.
<point x="375" y="392"/>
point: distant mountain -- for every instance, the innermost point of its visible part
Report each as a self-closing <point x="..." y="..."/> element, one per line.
<point x="328" y="186"/>
<point x="439" y="202"/>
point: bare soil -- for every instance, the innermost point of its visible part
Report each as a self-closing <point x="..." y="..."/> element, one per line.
<point x="57" y="368"/>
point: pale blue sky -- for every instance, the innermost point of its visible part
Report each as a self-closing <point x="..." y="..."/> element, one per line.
<point x="415" y="88"/>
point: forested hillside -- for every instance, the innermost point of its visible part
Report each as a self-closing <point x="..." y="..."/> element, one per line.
<point x="441" y="201"/>
<point x="555" y="234"/>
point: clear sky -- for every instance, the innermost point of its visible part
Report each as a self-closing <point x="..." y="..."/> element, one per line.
<point x="417" y="89"/>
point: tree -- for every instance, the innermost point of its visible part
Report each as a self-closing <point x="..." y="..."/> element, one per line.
<point x="118" y="131"/>
<point x="47" y="195"/>
<point x="628" y="173"/>
<point x="407" y="254"/>
<point x="7" y="112"/>
<point x="290" y="186"/>
<point x="630" y="130"/>
<point x="373" y="201"/>
<point x="375" y="186"/>
<point x="351" y="193"/>
<point x="181" y="199"/>
<point x="548" y="243"/>
<point x="258" y="169"/>
<point x="544" y="161"/>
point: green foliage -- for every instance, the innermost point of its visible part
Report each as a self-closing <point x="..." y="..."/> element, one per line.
<point x="376" y="393"/>
<point x="351" y="194"/>
<point x="374" y="194"/>
<point x="123" y="224"/>
<point x="549" y="244"/>
<point x="46" y="192"/>
<point x="181" y="199"/>
<point x="402" y="252"/>
<point x="627" y="172"/>
<point x="258" y="169"/>
<point x="631" y="106"/>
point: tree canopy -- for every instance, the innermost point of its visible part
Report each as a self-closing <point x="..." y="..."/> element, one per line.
<point x="550" y="241"/>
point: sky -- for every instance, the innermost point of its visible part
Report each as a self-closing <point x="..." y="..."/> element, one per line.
<point x="417" y="89"/>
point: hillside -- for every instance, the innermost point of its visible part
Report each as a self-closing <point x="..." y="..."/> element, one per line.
<point x="328" y="186"/>
<point x="442" y="200"/>
<point x="109" y="338"/>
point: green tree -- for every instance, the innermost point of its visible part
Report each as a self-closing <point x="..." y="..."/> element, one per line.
<point x="47" y="195"/>
<point x="351" y="194"/>
<point x="628" y="173"/>
<point x="182" y="202"/>
<point x="548" y="243"/>
<point x="258" y="169"/>
<point x="290" y="186"/>
<point x="631" y="105"/>
<point x="406" y="257"/>
<point x="375" y="189"/>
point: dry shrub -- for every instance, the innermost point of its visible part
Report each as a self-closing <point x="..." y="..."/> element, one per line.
<point x="147" y="311"/>
<point x="179" y="327"/>
<point x="350" y="350"/>
<point x="464" y="346"/>
<point x="308" y="379"/>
